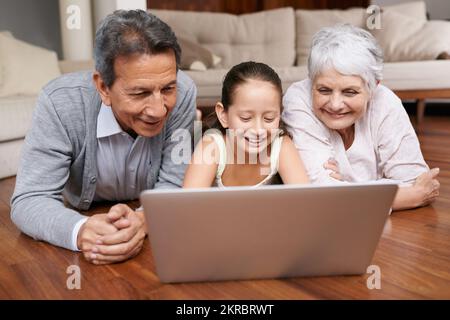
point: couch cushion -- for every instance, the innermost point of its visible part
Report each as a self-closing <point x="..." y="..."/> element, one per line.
<point x="194" y="56"/>
<point x="308" y="22"/>
<point x="15" y="116"/>
<point x="68" y="66"/>
<point x="419" y="75"/>
<point x="415" y="10"/>
<point x="10" y="163"/>
<point x="25" y="68"/>
<point x="403" y="38"/>
<point x="266" y="36"/>
<point x="209" y="83"/>
<point x="6" y="33"/>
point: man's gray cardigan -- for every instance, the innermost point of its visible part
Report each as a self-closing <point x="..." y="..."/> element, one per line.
<point x="59" y="156"/>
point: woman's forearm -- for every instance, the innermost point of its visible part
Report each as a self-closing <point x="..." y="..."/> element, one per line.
<point x="407" y="198"/>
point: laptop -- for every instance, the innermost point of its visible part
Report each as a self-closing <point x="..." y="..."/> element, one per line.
<point x="267" y="232"/>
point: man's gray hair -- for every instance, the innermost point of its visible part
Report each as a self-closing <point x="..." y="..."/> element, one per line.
<point x="349" y="50"/>
<point x="125" y="33"/>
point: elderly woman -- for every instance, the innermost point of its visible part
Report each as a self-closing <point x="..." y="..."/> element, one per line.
<point x="348" y="127"/>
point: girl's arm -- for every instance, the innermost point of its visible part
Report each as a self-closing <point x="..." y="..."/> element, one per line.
<point x="290" y="166"/>
<point x="201" y="172"/>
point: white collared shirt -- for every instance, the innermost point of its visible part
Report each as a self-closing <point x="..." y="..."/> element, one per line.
<point x="122" y="161"/>
<point x="122" y="164"/>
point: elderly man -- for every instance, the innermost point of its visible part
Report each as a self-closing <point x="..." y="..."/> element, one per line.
<point x="106" y="136"/>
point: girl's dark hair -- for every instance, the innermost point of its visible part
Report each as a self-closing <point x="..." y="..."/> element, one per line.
<point x="239" y="74"/>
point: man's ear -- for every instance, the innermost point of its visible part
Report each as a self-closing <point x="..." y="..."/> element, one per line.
<point x="102" y="88"/>
<point x="222" y="114"/>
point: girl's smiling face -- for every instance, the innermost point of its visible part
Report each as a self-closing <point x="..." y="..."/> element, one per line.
<point x="253" y="115"/>
<point x="339" y="100"/>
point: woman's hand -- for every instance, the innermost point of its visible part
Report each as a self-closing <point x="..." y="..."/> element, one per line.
<point x="427" y="187"/>
<point x="333" y="165"/>
<point x="424" y="191"/>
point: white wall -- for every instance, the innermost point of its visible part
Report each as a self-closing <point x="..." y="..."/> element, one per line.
<point x="36" y="22"/>
<point x="131" y="4"/>
<point x="102" y="8"/>
<point x="76" y="41"/>
<point x="438" y="9"/>
<point x="78" y="44"/>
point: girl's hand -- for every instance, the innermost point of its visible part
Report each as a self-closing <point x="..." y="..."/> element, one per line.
<point x="427" y="187"/>
<point x="333" y="165"/>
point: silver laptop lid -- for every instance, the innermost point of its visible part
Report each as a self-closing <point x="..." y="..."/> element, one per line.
<point x="266" y="232"/>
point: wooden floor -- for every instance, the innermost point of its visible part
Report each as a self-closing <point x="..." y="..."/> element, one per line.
<point x="413" y="254"/>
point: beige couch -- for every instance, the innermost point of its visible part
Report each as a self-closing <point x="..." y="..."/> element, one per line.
<point x="281" y="38"/>
<point x="16" y="113"/>
<point x="15" y="119"/>
<point x="24" y="70"/>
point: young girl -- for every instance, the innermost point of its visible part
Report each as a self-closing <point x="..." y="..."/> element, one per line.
<point x="248" y="146"/>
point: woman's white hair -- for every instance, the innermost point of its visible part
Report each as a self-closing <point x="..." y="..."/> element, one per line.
<point x="349" y="50"/>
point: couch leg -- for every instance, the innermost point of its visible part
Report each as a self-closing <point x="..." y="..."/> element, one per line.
<point x="420" y="110"/>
